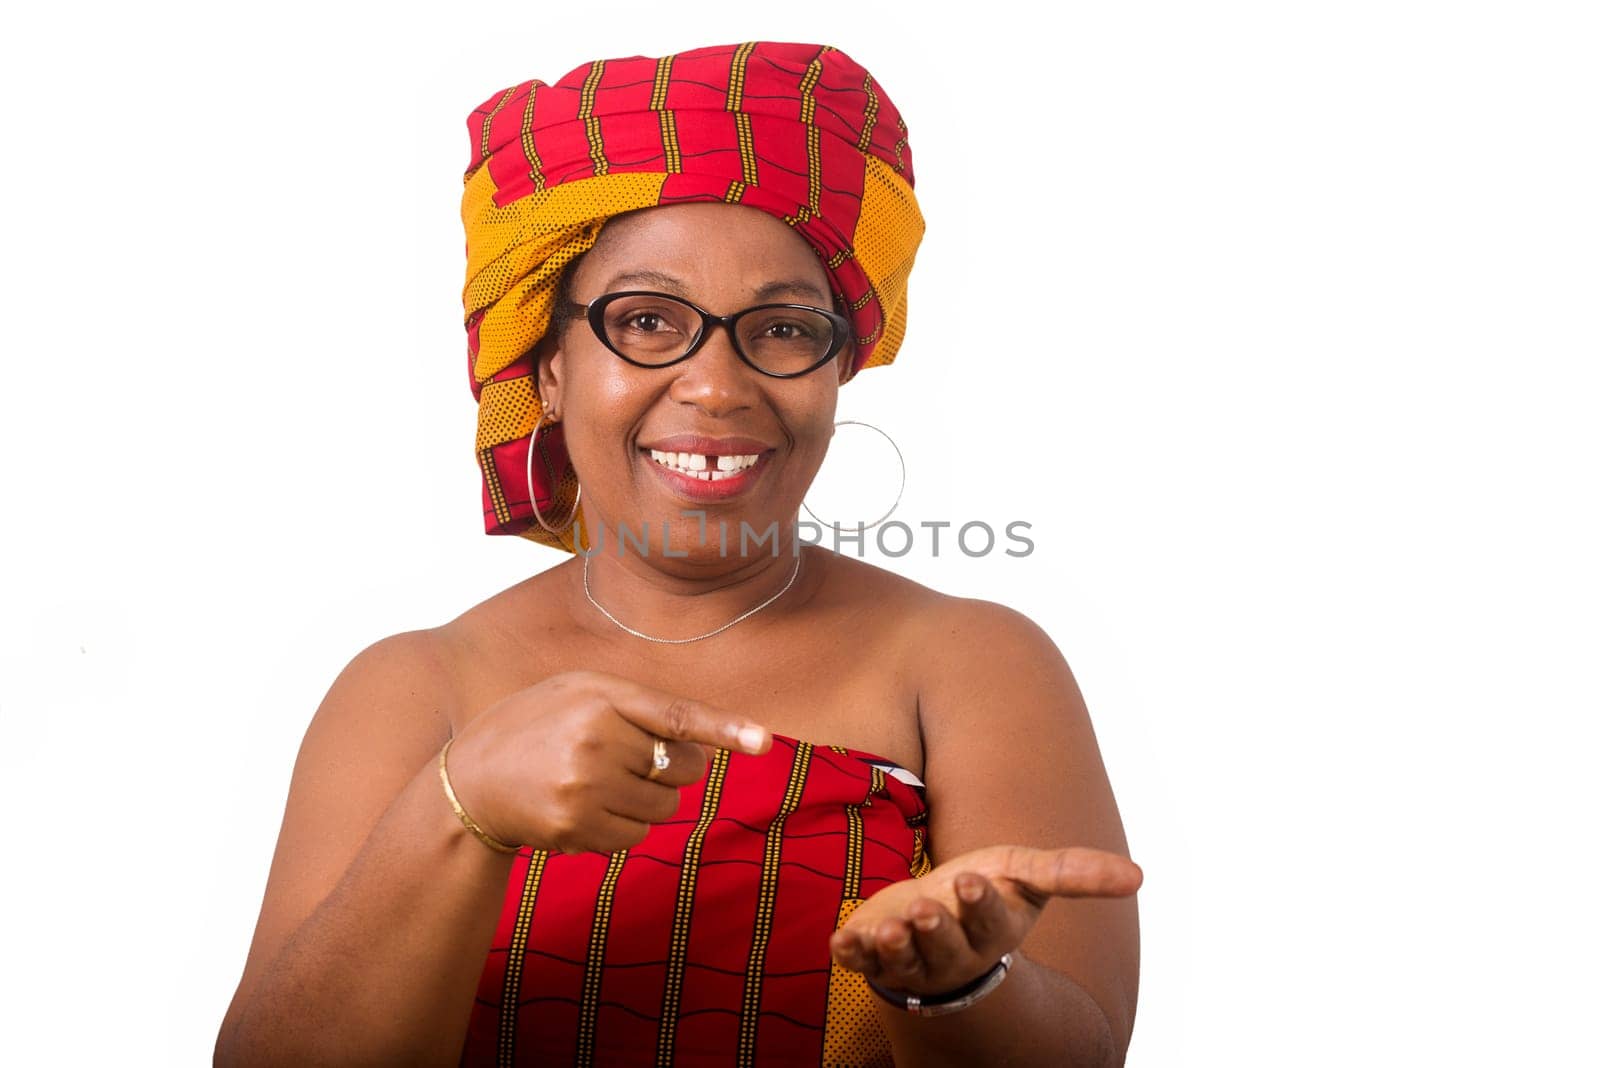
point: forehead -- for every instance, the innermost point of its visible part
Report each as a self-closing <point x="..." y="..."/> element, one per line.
<point x="712" y="250"/>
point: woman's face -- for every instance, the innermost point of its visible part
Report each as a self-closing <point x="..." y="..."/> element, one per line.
<point x="621" y="418"/>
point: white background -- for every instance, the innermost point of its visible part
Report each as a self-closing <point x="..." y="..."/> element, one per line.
<point x="1278" y="321"/>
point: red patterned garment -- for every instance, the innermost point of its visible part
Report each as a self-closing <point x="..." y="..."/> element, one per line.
<point x="707" y="943"/>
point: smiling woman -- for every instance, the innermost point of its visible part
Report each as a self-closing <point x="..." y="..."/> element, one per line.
<point x="690" y="395"/>
<point x="863" y="823"/>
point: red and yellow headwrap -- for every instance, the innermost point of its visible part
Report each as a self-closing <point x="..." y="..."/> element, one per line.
<point x="800" y="131"/>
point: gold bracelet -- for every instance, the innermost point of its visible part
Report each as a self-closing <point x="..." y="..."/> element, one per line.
<point x="467" y="821"/>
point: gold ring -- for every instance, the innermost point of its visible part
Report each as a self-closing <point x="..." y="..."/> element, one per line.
<point x="659" y="760"/>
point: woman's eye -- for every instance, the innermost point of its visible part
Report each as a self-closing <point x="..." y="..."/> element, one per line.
<point x="787" y="332"/>
<point x="645" y="322"/>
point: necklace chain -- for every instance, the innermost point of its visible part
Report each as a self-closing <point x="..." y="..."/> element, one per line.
<point x="698" y="637"/>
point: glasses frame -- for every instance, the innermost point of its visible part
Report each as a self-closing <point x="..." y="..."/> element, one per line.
<point x="594" y="312"/>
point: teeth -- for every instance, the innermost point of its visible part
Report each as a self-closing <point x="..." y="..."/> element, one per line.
<point x="698" y="464"/>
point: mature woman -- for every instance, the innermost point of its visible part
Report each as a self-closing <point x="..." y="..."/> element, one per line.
<point x="701" y="794"/>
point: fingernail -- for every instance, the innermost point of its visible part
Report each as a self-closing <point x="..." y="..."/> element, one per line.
<point x="970" y="892"/>
<point x="752" y="737"/>
<point x="927" y="923"/>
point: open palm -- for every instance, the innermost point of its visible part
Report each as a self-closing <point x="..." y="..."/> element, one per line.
<point x="929" y="935"/>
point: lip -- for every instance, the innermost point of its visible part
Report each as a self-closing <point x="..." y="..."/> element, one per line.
<point x="708" y="446"/>
<point x="699" y="489"/>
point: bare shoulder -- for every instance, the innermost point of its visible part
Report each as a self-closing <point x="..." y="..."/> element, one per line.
<point x="430" y="674"/>
<point x="938" y="628"/>
<point x="999" y="704"/>
<point x="525" y="613"/>
<point x="992" y="678"/>
<point x="872" y="591"/>
<point x="389" y="707"/>
<point x="972" y="631"/>
<point x="410" y="658"/>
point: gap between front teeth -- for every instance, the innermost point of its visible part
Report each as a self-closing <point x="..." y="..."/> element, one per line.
<point x="696" y="465"/>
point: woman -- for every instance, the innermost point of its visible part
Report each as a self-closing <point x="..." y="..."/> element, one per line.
<point x="700" y="794"/>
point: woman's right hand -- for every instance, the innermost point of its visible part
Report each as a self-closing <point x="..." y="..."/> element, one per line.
<point x="562" y="765"/>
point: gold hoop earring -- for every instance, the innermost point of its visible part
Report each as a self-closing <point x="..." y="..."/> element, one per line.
<point x="533" y="500"/>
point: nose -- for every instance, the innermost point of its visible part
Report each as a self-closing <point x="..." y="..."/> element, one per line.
<point x="715" y="379"/>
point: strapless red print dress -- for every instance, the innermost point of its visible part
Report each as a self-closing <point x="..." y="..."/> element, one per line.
<point x="707" y="943"/>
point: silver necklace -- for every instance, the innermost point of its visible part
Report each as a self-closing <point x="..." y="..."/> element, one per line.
<point x="697" y="637"/>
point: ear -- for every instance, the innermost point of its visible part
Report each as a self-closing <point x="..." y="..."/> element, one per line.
<point x="549" y="368"/>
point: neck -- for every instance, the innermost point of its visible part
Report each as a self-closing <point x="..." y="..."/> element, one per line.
<point x="673" y="597"/>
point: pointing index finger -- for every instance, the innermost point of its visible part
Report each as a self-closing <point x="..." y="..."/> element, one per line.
<point x="1075" y="871"/>
<point x="684" y="719"/>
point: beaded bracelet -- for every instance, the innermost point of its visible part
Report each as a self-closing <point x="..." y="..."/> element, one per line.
<point x="467" y="821"/>
<point x="950" y="1001"/>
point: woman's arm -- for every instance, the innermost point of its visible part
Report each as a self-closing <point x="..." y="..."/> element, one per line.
<point x="379" y="908"/>
<point x="1011" y="758"/>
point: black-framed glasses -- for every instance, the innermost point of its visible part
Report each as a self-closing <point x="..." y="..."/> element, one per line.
<point x="658" y="330"/>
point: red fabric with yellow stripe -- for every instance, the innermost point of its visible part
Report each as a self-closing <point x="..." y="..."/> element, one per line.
<point x="798" y="130"/>
<point x="707" y="943"/>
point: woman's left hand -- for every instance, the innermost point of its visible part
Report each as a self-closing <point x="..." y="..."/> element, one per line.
<point x="936" y="933"/>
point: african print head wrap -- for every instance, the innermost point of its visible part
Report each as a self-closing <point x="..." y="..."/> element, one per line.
<point x="798" y="130"/>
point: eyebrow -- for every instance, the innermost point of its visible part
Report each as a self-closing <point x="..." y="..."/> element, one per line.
<point x="671" y="284"/>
